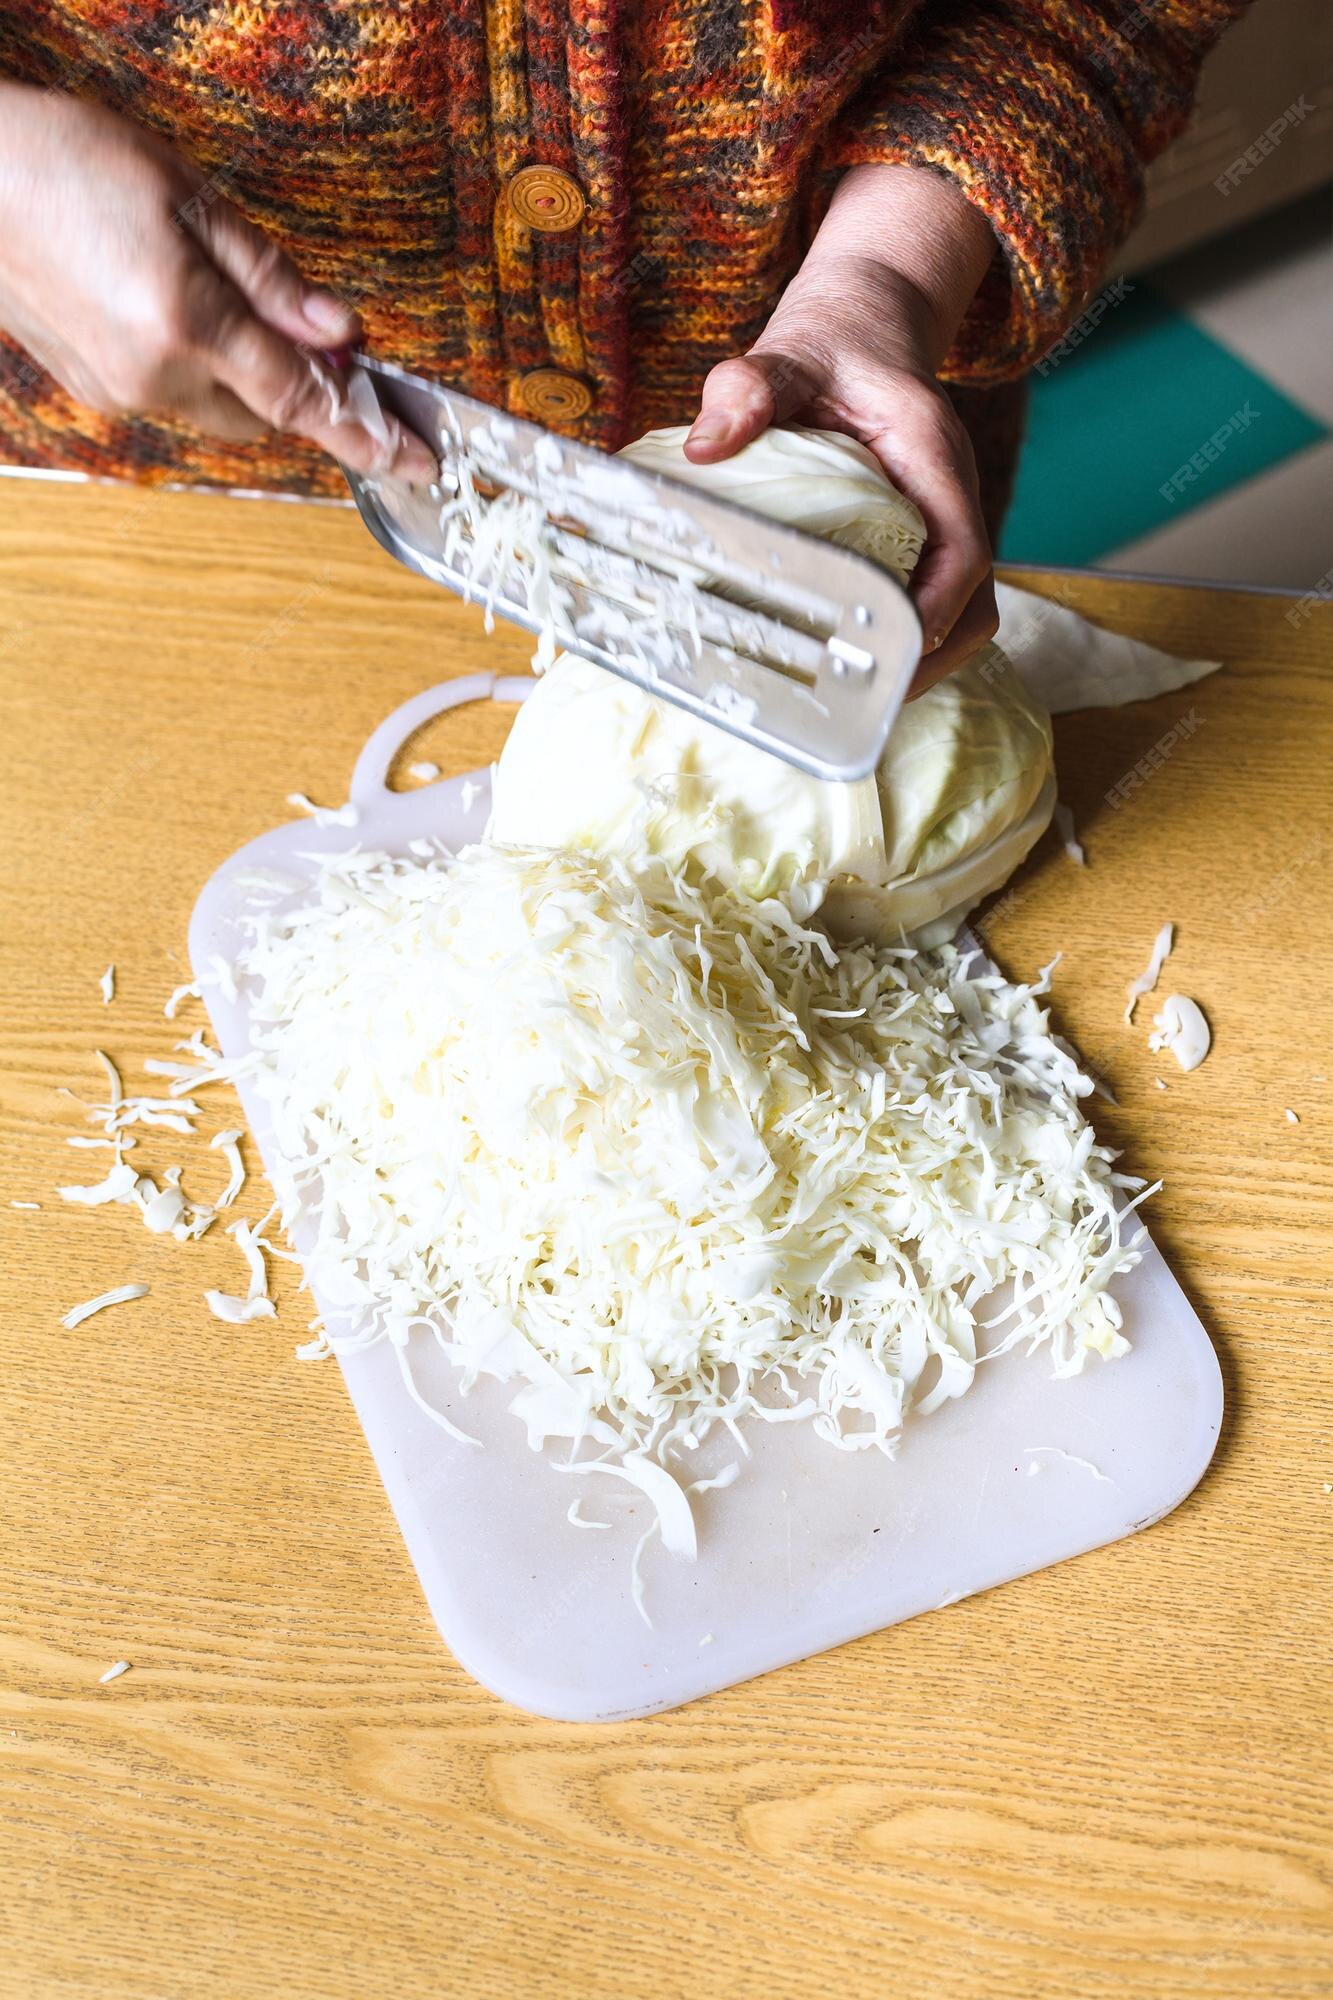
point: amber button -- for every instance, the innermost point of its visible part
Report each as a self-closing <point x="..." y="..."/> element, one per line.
<point x="544" y="198"/>
<point x="553" y="397"/>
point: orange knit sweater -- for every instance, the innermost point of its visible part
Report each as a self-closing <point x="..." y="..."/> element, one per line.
<point x="375" y="139"/>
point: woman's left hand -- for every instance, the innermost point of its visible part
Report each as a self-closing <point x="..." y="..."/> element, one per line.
<point x="854" y="346"/>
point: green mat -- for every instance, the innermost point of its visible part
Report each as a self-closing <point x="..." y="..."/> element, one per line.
<point x="1147" y="418"/>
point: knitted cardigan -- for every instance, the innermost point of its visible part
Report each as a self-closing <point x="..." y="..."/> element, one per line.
<point x="374" y="138"/>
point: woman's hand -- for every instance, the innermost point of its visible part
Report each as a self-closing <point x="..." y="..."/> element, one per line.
<point x="854" y="346"/>
<point x="142" y="290"/>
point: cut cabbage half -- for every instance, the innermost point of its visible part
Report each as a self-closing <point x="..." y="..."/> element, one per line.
<point x="926" y="909"/>
<point x="595" y="765"/>
<point x="965" y="786"/>
<point x="820" y="481"/>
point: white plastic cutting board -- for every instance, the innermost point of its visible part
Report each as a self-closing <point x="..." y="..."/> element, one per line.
<point x="810" y="1546"/>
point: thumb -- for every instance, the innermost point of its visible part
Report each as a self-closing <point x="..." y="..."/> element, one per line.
<point x="741" y="398"/>
<point x="268" y="280"/>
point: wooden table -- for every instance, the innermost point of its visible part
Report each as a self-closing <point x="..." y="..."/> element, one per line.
<point x="1110" y="1779"/>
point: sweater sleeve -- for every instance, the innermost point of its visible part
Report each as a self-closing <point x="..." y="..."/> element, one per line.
<point x="1045" y="113"/>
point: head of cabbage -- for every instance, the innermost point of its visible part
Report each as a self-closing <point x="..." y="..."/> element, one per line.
<point x="964" y="787"/>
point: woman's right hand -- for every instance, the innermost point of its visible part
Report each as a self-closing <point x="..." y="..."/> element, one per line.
<point x="134" y="282"/>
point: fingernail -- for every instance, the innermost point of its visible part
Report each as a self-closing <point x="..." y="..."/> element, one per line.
<point x="708" y="430"/>
<point x="326" y="313"/>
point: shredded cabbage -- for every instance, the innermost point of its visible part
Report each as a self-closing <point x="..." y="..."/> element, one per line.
<point x="119" y="1295"/>
<point x="661" y="1160"/>
<point x="1182" y="1027"/>
<point x="1144" y="982"/>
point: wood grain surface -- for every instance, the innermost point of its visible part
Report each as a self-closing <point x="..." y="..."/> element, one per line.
<point x="1111" y="1779"/>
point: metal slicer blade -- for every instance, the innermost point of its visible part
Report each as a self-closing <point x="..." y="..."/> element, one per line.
<point x="791" y="643"/>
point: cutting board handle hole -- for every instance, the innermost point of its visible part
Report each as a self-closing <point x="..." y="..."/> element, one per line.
<point x="370" y="780"/>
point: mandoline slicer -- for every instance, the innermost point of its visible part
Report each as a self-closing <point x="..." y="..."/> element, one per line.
<point x="791" y="643"/>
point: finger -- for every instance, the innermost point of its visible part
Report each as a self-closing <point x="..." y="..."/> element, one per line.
<point x="955" y="568"/>
<point x="268" y="280"/>
<point x="216" y="412"/>
<point x="978" y="623"/>
<point x="209" y="408"/>
<point x="288" y="386"/>
<point x="934" y="468"/>
<point x="293" y="391"/>
<point x="741" y="398"/>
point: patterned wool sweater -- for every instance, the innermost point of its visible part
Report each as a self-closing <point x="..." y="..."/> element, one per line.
<point x="376" y="140"/>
